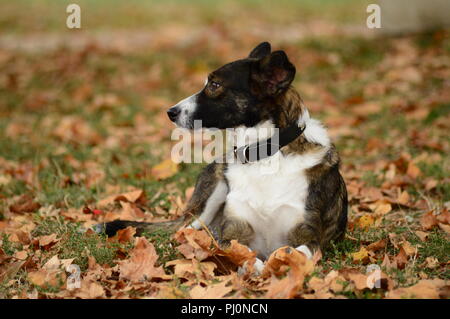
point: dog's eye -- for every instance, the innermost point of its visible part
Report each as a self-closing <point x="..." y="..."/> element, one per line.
<point x="214" y="85"/>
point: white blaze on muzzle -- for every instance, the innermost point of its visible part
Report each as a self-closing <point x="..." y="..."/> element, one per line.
<point x="187" y="108"/>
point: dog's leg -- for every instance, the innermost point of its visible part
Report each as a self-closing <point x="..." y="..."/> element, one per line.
<point x="211" y="205"/>
<point x="209" y="194"/>
<point x="305" y="237"/>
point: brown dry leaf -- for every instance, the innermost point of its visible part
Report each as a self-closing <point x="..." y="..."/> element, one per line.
<point x="413" y="171"/>
<point x="403" y="198"/>
<point x="48" y="275"/>
<point x="444" y="217"/>
<point x="10" y="270"/>
<point x="326" y="287"/>
<point x="426" y="289"/>
<point x="135" y="196"/>
<point x="378" y="245"/>
<point x="238" y="253"/>
<point x="382" y="209"/>
<point x="191" y="268"/>
<point x="194" y="243"/>
<point x="89" y="290"/>
<point x="165" y="169"/>
<point x="25" y="204"/>
<point x="431" y="262"/>
<point x="297" y="266"/>
<point x="360" y="256"/>
<point x="215" y="291"/>
<point x="141" y="264"/>
<point x="401" y="258"/>
<point x="47" y="240"/>
<point x="387" y="263"/>
<point x="445" y="228"/>
<point x="431" y="184"/>
<point x="360" y="280"/>
<point x="428" y="220"/>
<point x="422" y="235"/>
<point x="21" y="255"/>
<point x="409" y="249"/>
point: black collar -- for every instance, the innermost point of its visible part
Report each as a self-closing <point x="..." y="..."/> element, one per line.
<point x="260" y="150"/>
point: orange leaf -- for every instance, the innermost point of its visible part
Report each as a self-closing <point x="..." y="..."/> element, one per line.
<point x="141" y="264"/>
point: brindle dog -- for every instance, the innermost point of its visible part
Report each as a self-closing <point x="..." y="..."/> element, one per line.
<point x="303" y="204"/>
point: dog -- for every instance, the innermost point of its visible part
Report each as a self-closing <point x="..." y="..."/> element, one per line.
<point x="303" y="204"/>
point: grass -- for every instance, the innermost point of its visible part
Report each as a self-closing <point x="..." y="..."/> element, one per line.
<point x="75" y="243"/>
<point x="121" y="138"/>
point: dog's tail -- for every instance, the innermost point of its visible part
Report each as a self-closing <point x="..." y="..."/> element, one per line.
<point x="111" y="228"/>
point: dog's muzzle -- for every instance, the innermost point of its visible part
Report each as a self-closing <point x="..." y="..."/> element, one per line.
<point x="173" y="113"/>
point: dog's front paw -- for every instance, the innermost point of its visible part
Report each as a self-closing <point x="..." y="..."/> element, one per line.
<point x="258" y="268"/>
<point x="305" y="250"/>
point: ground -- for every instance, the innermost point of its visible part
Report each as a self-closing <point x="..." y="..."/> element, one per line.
<point x="84" y="138"/>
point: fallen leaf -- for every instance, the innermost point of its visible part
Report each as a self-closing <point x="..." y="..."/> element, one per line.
<point x="409" y="250"/>
<point x="401" y="258"/>
<point x="191" y="268"/>
<point x="366" y="221"/>
<point x="25" y="204"/>
<point x="194" y="243"/>
<point x="431" y="262"/>
<point x="445" y="228"/>
<point x="378" y="245"/>
<point x="424" y="289"/>
<point x="422" y="235"/>
<point x="212" y="291"/>
<point x="165" y="169"/>
<point x="403" y="198"/>
<point x="45" y="241"/>
<point x="413" y="171"/>
<point x="428" y="220"/>
<point x="141" y="264"/>
<point x="360" y="256"/>
<point x="238" y="253"/>
<point x="295" y="264"/>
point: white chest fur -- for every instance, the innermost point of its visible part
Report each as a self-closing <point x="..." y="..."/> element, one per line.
<point x="270" y="197"/>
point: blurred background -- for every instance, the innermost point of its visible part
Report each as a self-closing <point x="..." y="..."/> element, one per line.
<point x="81" y="109"/>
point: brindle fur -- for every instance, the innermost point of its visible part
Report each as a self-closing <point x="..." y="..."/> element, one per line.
<point x="268" y="96"/>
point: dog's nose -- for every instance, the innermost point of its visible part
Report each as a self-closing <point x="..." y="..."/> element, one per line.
<point x="173" y="113"/>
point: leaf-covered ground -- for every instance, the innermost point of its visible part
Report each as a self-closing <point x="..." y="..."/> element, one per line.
<point x="84" y="138"/>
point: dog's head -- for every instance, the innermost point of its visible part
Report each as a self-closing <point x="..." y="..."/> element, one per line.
<point x="234" y="94"/>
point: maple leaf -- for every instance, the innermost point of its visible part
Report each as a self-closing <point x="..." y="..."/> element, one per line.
<point x="295" y="264"/>
<point x="141" y="264"/>
<point x="238" y="253"/>
<point x="194" y="243"/>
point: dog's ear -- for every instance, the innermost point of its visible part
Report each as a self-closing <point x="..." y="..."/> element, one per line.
<point x="260" y="51"/>
<point x="272" y="74"/>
